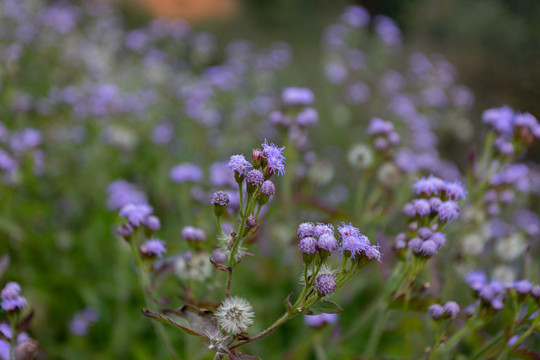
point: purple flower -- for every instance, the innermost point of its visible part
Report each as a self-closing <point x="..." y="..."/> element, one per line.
<point x="379" y="127"/>
<point x="122" y="193"/>
<point x="11" y="298"/>
<point x="305" y="229"/>
<point x="429" y="248"/>
<point x="325" y="284"/>
<point x="454" y="190"/>
<point x="428" y="186"/>
<point x="421" y="207"/>
<point x="372" y="252"/>
<point x="336" y="73"/>
<point x="153" y="223"/>
<point x="191" y="233"/>
<point x="512" y="340"/>
<point x="476" y="279"/>
<point x="501" y="119"/>
<point x="448" y="211"/>
<point x="268" y="188"/>
<point x="387" y="30"/>
<point x="523" y="287"/>
<point x="436" y="311"/>
<point x="439" y="238"/>
<point x="297" y="96"/>
<point x="82" y="320"/>
<point x="186" y="172"/>
<point x="238" y="164"/>
<point x="307" y="117"/>
<point x="320" y="320"/>
<point x="255" y="178"/>
<point x="323" y="229"/>
<point x="327" y="242"/>
<point x="354" y="245"/>
<point x="220" y="175"/>
<point x="162" y="134"/>
<point x="409" y="210"/>
<point x="355" y="16"/>
<point x="219" y="198"/>
<point x="535" y="291"/>
<point x="308" y="245"/>
<point x="136" y="214"/>
<point x="153" y="247"/>
<point x="424" y="233"/>
<point x="348" y="230"/>
<point x="451" y="308"/>
<point x="274" y="158"/>
<point x="415" y="245"/>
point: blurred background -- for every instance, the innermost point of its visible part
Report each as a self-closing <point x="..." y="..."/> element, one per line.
<point x="79" y="81"/>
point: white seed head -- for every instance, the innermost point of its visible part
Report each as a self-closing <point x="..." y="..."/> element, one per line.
<point x="235" y="315"/>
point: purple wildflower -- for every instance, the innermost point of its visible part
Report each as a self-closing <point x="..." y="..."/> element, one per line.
<point x="428" y="186"/>
<point x="191" y="233"/>
<point x="274" y="158"/>
<point x="153" y="247"/>
<point x="11" y="298"/>
<point x="409" y="210"/>
<point x="319" y="320"/>
<point x="535" y="291"/>
<point x="354" y="245"/>
<point x="448" y="211"/>
<point x="219" y="198"/>
<point x="451" y="308"/>
<point x="325" y="284"/>
<point x="297" y="96"/>
<point x="186" y="172"/>
<point x="429" y="248"/>
<point x="379" y="127"/>
<point x="372" y="252"/>
<point x="153" y="223"/>
<point x="454" y="190"/>
<point x="348" y="230"/>
<point x="268" y="188"/>
<point x="421" y="207"/>
<point x="320" y="229"/>
<point x="82" y="320"/>
<point x="136" y="214"/>
<point x="513" y="340"/>
<point x="439" y="238"/>
<point x="327" y="242"/>
<point x="307" y="117"/>
<point x="415" y="245"/>
<point x="501" y="119"/>
<point x="305" y="229"/>
<point x="522" y="287"/>
<point x="308" y="245"/>
<point x="424" y="233"/>
<point x="436" y="311"/>
<point x="122" y="193"/>
<point x="355" y="16"/>
<point x="476" y="279"/>
<point x="255" y="178"/>
<point x="238" y="164"/>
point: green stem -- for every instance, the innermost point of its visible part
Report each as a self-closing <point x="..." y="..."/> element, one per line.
<point x="142" y="276"/>
<point x="472" y="325"/>
<point x="13" y="340"/>
<point x="480" y="353"/>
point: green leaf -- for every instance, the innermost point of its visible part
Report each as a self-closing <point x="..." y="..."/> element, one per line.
<point x="324" y="307"/>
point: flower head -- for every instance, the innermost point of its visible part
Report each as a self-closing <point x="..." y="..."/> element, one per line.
<point x="305" y="229"/>
<point x="191" y="233"/>
<point x="327" y="242"/>
<point x="448" y="211"/>
<point x="436" y="311"/>
<point x="275" y="161"/>
<point x="235" y="315"/>
<point x="428" y="186"/>
<point x="255" y="178"/>
<point x="308" y="245"/>
<point x="268" y="188"/>
<point x="451" y="308"/>
<point x="238" y="164"/>
<point x="297" y="96"/>
<point x="136" y="214"/>
<point x="454" y="190"/>
<point x="153" y="247"/>
<point x="219" y="198"/>
<point x="11" y="298"/>
<point x="325" y="284"/>
<point x="323" y="229"/>
<point x="186" y="172"/>
<point x="320" y="320"/>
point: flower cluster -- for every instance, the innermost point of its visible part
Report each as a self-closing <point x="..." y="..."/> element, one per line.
<point x="383" y="135"/>
<point x="515" y="131"/>
<point x="12" y="300"/>
<point x="436" y="206"/>
<point x="450" y="310"/>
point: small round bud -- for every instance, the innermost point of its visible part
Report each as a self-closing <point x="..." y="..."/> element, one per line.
<point x="251" y="222"/>
<point x="325" y="284"/>
<point x="308" y="248"/>
<point x="451" y="308"/>
<point x="153" y="223"/>
<point x="125" y="230"/>
<point x="424" y="233"/>
<point x="436" y="311"/>
<point x="254" y="179"/>
<point x="415" y="245"/>
<point x="220" y="200"/>
<point x="257" y="156"/>
<point x="267" y="189"/>
<point x="305" y="229"/>
<point x="191" y="233"/>
<point x="428" y="248"/>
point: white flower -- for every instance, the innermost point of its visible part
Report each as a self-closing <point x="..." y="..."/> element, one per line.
<point x="360" y="156"/>
<point x="235" y="315"/>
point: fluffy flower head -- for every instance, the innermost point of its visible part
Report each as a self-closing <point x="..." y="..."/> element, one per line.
<point x="235" y="315"/>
